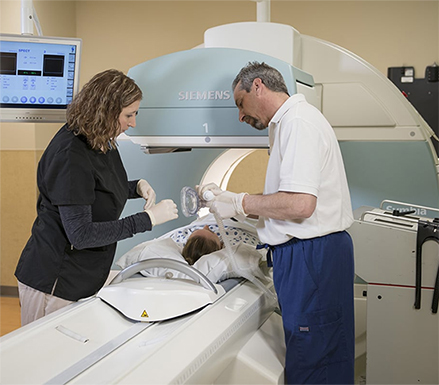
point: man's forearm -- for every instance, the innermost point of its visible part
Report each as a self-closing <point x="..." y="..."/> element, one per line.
<point x="281" y="205"/>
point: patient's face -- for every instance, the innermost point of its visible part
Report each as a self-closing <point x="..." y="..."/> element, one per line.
<point x="205" y="232"/>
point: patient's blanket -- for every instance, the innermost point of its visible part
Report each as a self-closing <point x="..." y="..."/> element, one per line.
<point x="215" y="266"/>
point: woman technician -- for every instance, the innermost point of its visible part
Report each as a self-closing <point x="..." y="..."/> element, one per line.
<point x="83" y="189"/>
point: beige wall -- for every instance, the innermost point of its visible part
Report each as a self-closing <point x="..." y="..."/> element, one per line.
<point x="385" y="33"/>
<point x="21" y="144"/>
<point x="121" y="34"/>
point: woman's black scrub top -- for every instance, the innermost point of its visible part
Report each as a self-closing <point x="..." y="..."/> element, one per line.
<point x="71" y="173"/>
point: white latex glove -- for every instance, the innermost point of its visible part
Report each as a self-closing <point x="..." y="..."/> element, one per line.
<point x="206" y="192"/>
<point x="228" y="205"/>
<point x="146" y="192"/>
<point x="162" y="212"/>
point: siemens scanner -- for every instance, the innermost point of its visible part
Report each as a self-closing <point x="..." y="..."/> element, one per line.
<point x="189" y="129"/>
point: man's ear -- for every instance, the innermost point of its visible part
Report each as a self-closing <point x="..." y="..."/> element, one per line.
<point x="257" y="83"/>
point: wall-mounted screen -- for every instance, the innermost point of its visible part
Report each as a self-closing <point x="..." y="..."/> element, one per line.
<point x="38" y="77"/>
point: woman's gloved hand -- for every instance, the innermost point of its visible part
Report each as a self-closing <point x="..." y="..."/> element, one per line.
<point x="162" y="212"/>
<point x="145" y="190"/>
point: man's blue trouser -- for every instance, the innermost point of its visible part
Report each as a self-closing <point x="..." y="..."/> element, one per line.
<point x="314" y="281"/>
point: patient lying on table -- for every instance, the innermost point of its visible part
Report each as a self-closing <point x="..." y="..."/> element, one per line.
<point x="200" y="238"/>
<point x="200" y="244"/>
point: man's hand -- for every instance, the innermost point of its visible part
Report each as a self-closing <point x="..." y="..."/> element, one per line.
<point x="228" y="205"/>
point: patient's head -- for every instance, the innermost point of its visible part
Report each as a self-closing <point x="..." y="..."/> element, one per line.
<point x="201" y="242"/>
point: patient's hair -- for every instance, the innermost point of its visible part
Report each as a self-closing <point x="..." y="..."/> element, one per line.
<point x="196" y="247"/>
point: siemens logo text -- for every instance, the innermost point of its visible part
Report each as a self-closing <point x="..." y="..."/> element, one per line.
<point x="204" y="95"/>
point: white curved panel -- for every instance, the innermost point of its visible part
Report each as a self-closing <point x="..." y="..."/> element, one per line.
<point x="277" y="40"/>
<point x="333" y="66"/>
<point x="360" y="107"/>
<point x="220" y="170"/>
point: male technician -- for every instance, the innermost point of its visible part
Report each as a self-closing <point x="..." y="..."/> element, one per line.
<point x="303" y="215"/>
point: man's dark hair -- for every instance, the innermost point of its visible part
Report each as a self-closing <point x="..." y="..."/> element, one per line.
<point x="270" y="76"/>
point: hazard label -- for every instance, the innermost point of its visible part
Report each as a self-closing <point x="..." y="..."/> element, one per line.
<point x="145" y="314"/>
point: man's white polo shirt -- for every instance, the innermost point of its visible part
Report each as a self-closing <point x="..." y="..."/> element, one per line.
<point x="305" y="158"/>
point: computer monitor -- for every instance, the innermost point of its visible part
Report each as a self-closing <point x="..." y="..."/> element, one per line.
<point x="39" y="76"/>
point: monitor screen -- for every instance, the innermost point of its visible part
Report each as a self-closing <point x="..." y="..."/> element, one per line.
<point x="38" y="77"/>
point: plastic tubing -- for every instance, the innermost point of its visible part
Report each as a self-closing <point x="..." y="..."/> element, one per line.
<point x="247" y="274"/>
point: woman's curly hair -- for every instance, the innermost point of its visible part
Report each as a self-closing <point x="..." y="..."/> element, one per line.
<point x="94" y="111"/>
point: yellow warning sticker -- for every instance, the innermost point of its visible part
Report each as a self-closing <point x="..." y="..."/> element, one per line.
<point x="145" y="314"/>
